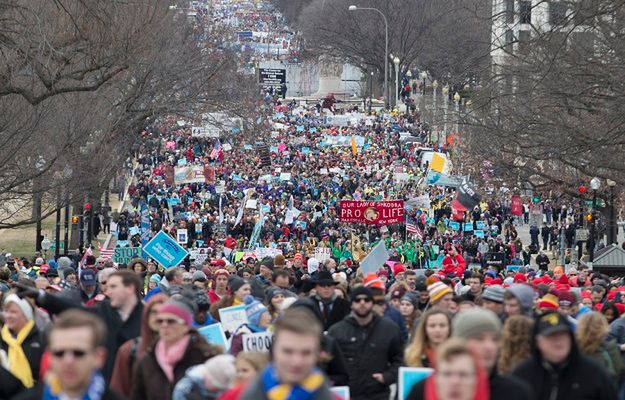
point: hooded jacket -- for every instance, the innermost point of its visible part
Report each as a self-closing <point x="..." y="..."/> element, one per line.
<point x="525" y="296"/>
<point x="578" y="378"/>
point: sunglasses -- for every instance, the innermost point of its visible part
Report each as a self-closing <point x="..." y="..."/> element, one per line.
<point x="169" y="321"/>
<point x="76" y="353"/>
<point x="362" y="299"/>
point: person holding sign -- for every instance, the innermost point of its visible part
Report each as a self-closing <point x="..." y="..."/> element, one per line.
<point x="239" y="288"/>
<point x="258" y="319"/>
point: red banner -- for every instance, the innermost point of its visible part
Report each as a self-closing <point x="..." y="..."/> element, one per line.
<point x="372" y="212"/>
<point x="516" y="205"/>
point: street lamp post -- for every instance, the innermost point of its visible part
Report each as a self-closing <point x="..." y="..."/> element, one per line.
<point x="434" y="121"/>
<point x="396" y="62"/>
<point x="355" y="8"/>
<point x="457" y="101"/>
<point x="595" y="183"/>
<point x="445" y="104"/>
<point x="612" y="230"/>
<point x="370" y="91"/>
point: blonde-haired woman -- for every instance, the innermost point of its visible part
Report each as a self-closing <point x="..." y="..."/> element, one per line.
<point x="433" y="329"/>
<point x="516" y="339"/>
<point x="591" y="333"/>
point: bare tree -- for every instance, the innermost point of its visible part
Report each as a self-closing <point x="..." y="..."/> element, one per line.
<point x="552" y="114"/>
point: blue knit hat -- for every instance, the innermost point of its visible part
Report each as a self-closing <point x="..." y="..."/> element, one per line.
<point x="254" y="310"/>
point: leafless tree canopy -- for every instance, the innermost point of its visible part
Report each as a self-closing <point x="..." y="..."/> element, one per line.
<point x="79" y="80"/>
<point x="553" y="114"/>
<point x="448" y="38"/>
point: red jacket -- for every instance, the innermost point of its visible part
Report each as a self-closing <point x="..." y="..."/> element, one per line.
<point x="455" y="265"/>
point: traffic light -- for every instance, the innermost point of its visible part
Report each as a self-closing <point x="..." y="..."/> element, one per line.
<point x="582" y="189"/>
<point x="74" y="219"/>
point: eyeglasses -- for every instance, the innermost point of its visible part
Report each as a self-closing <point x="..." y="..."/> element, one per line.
<point x="362" y="299"/>
<point x="169" y="321"/>
<point x="76" y="353"/>
<point x="102" y="282"/>
<point x="380" y="302"/>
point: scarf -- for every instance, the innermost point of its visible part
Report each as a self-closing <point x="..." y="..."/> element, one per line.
<point x="167" y="358"/>
<point x="95" y="391"/>
<point x="18" y="363"/>
<point x="277" y="391"/>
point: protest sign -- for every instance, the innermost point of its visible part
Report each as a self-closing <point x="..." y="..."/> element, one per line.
<point x="214" y="334"/>
<point x="372" y="212"/>
<point x="199" y="255"/>
<point x="232" y="317"/>
<point x="408" y="377"/>
<point x="341" y="391"/>
<point x="257" y="342"/>
<point x="454" y="225"/>
<point x="479" y="233"/>
<point x="164" y="250"/>
<point x="189" y="174"/>
<point x="375" y="259"/>
<point x="322" y="253"/>
<point x="468" y="227"/>
<point x="251" y="203"/>
<point x="123" y="255"/>
<point x="182" y="236"/>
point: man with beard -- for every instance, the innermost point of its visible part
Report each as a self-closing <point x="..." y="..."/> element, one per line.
<point x="372" y="347"/>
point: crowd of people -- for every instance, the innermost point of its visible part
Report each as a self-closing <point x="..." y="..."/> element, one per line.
<point x="461" y="301"/>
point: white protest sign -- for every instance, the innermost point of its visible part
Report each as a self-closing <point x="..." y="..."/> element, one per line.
<point x="285" y="176"/>
<point x="323" y="171"/>
<point x="257" y="342"/>
<point x="375" y="259"/>
<point x="251" y="203"/>
<point x="182" y="236"/>
<point x="322" y="253"/>
<point x="232" y="317"/>
<point x="220" y="187"/>
<point x="288" y="218"/>
<point x="226" y="147"/>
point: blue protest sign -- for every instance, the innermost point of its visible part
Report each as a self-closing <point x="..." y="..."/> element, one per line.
<point x="408" y="377"/>
<point x="134" y="230"/>
<point x="312" y="130"/>
<point x="214" y="334"/>
<point x="468" y="227"/>
<point x="300" y="128"/>
<point x="454" y="225"/>
<point x="479" y="225"/>
<point x="165" y="251"/>
<point x="182" y="161"/>
<point x="513" y="268"/>
<point x="479" y="233"/>
<point x="248" y="147"/>
<point x="305" y="150"/>
<point x="174" y="201"/>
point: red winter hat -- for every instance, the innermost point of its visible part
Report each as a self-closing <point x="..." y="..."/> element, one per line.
<point x="496" y="281"/>
<point x="372" y="281"/>
<point x="611" y="295"/>
<point x="564" y="280"/>
<point x="519" y="277"/>
<point x="383" y="272"/>
<point x="585" y="294"/>
<point x="620" y="307"/>
<point x="398" y="269"/>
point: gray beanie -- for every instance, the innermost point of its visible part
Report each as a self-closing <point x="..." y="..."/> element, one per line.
<point x="235" y="283"/>
<point x="199" y="276"/>
<point x="525" y="295"/>
<point x="473" y="322"/>
<point x="494" y="293"/>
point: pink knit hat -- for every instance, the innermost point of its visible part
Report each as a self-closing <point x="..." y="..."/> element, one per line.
<point x="179" y="309"/>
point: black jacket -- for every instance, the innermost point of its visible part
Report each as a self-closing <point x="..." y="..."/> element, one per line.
<point x="11" y="386"/>
<point x="375" y="348"/>
<point x="118" y="331"/>
<point x="33" y="346"/>
<point x="339" y="309"/>
<point x="579" y="378"/>
<point x="501" y="387"/>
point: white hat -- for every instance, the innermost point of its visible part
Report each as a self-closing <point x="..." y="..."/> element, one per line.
<point x="23" y="304"/>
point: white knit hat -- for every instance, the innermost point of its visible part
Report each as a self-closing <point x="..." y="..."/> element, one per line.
<point x="23" y="304"/>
